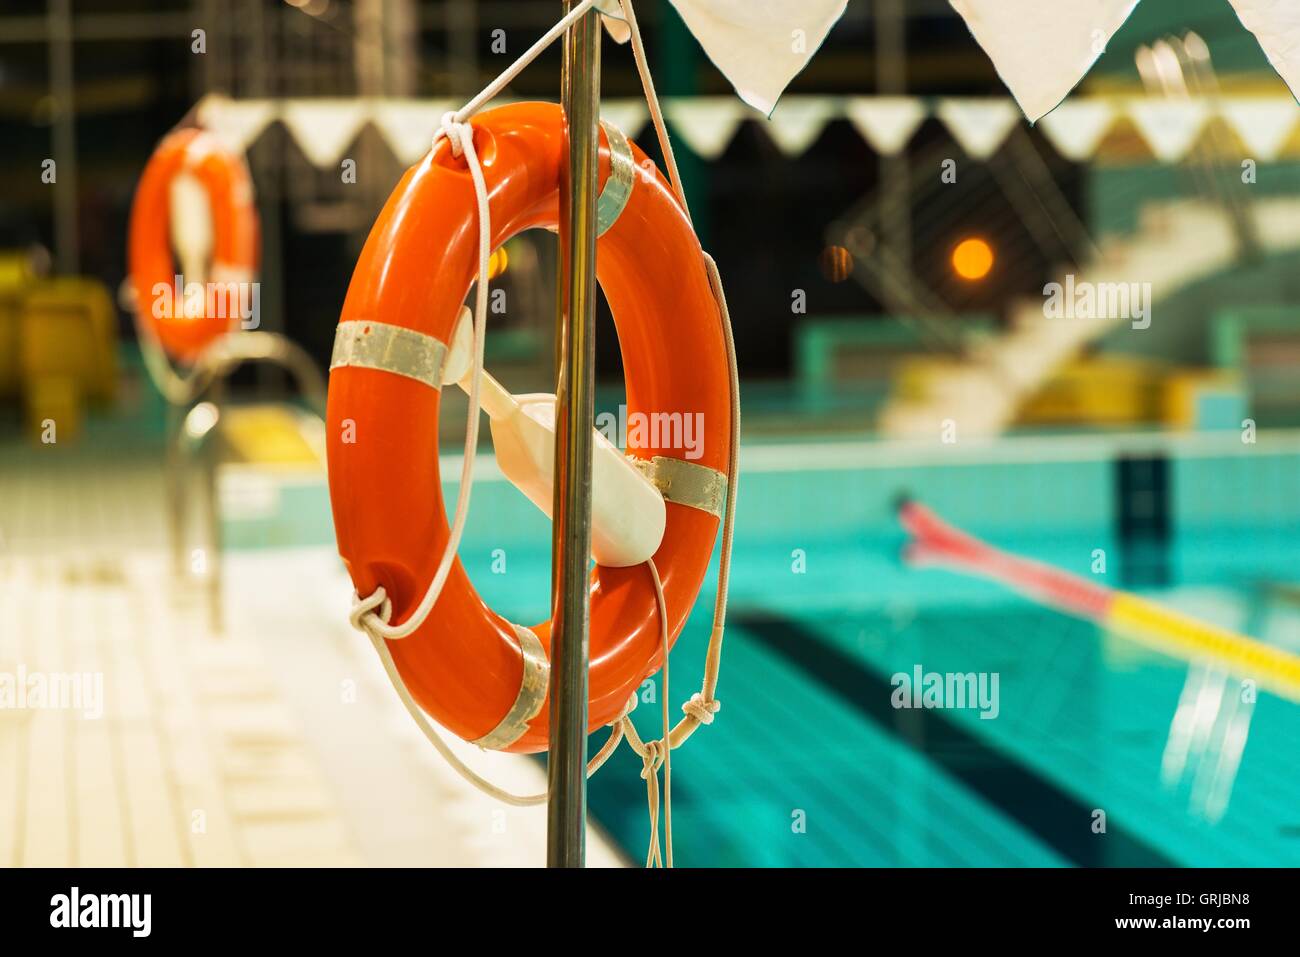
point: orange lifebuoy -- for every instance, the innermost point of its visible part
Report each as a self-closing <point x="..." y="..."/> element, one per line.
<point x="186" y="325"/>
<point x="476" y="673"/>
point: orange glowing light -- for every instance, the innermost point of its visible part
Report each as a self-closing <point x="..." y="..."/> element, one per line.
<point x="972" y="259"/>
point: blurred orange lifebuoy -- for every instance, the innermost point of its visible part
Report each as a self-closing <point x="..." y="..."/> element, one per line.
<point x="187" y="313"/>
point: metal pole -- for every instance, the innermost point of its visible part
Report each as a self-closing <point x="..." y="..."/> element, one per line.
<point x="62" y="85"/>
<point x="566" y="815"/>
<point x="891" y="80"/>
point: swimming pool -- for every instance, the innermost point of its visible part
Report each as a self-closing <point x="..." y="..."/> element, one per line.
<point x="1089" y="759"/>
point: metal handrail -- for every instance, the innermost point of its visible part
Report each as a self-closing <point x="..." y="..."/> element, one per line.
<point x="184" y="393"/>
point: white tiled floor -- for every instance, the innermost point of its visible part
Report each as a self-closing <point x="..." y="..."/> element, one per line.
<point x="275" y="743"/>
<point x="383" y="771"/>
<point x="196" y="759"/>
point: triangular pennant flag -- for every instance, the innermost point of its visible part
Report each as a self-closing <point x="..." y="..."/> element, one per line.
<point x="1276" y="25"/>
<point x="798" y="121"/>
<point x="630" y="116"/>
<point x="707" y="123"/>
<point x="760" y="45"/>
<point x="1043" y="48"/>
<point x="611" y="14"/>
<point x="324" y="128"/>
<point x="408" y="126"/>
<point x="1263" y="123"/>
<point x="978" y="124"/>
<point x="886" y="122"/>
<point x="1077" y="126"/>
<point x="1170" y="127"/>
<point x="236" y="123"/>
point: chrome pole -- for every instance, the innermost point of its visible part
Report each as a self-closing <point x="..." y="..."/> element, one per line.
<point x="566" y="816"/>
<point x="67" y="256"/>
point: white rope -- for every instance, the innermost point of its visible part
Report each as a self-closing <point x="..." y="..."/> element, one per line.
<point x="494" y="88"/>
<point x="464" y="770"/>
<point x="460" y="136"/>
<point x="702" y="706"/>
<point x="701" y="710"/>
<point x="662" y="751"/>
<point x="652" y="101"/>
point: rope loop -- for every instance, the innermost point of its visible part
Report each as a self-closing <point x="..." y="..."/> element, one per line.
<point x="652" y="759"/>
<point x="363" y="616"/>
<point x="454" y="129"/>
<point x="627" y="710"/>
<point x="702" y="709"/>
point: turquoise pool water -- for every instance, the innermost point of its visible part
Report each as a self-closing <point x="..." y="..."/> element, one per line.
<point x="809" y="762"/>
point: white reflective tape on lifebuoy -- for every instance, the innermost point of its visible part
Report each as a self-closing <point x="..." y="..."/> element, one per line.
<point x="686" y="483"/>
<point x="378" y="345"/>
<point x="528" y="703"/>
<point x="622" y="175"/>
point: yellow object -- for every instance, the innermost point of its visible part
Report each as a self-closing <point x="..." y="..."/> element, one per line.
<point x="16" y="271"/>
<point x="917" y="376"/>
<point x="53" y="410"/>
<point x="66" y="339"/>
<point x="1273" y="668"/>
<point x="268" y="435"/>
<point x="8" y="347"/>
<point x="1185" y="388"/>
<point x="498" y="262"/>
<point x="972" y="259"/>
<point x="15" y="274"/>
<point x="1106" y="390"/>
<point x="1103" y="390"/>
